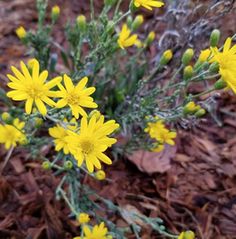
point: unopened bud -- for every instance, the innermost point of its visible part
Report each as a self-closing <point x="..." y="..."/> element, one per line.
<point x="55" y="13"/>
<point x="166" y="57"/>
<point x="220" y="84"/>
<point x="150" y="38"/>
<point x="38" y="122"/>
<point x="100" y="175"/>
<point x="68" y="164"/>
<point x="187" y="56"/>
<point x="129" y="21"/>
<point x="6" y="117"/>
<point x="214" y="67"/>
<point x="189" y="235"/>
<point x="188" y="72"/>
<point x="83" y="218"/>
<point x="46" y="165"/>
<point x="138" y="21"/>
<point x="21" y="33"/>
<point x="214" y="38"/>
<point x="81" y="22"/>
<point x="191" y="108"/>
<point x="200" y="113"/>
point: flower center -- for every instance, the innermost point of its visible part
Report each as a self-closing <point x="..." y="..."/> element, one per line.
<point x="87" y="146"/>
<point x="35" y="91"/>
<point x="73" y="99"/>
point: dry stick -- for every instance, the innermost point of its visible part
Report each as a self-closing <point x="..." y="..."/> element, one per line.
<point x="7" y="158"/>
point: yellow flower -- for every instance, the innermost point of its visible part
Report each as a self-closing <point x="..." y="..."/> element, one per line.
<point x="60" y="133"/>
<point x="166" y="136"/>
<point x="97" y="232"/>
<point x="125" y="40"/>
<point x="83" y="218"/>
<point x="10" y="135"/>
<point x="20" y="32"/>
<point x="204" y="55"/>
<point x="186" y="235"/>
<point x="148" y="4"/>
<point x="227" y="63"/>
<point x="76" y="96"/>
<point x="32" y="88"/>
<point x="166" y="57"/>
<point x="100" y="175"/>
<point x="154" y="127"/>
<point x="92" y="141"/>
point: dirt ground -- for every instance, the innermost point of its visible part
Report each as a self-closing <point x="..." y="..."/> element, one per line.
<point x="194" y="188"/>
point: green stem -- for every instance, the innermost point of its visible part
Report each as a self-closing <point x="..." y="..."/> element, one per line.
<point x="203" y="93"/>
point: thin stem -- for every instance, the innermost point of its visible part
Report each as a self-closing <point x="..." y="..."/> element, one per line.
<point x="203" y="93"/>
<point x="92" y="9"/>
<point x="9" y="153"/>
<point x="117" y="7"/>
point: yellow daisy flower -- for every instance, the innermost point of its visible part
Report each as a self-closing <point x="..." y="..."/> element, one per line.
<point x="148" y="4"/>
<point x="125" y="40"/>
<point x="164" y="136"/>
<point x="76" y="96"/>
<point x="97" y="232"/>
<point x="10" y="135"/>
<point x="227" y="63"/>
<point x="92" y="141"/>
<point x="60" y="133"/>
<point x="32" y="88"/>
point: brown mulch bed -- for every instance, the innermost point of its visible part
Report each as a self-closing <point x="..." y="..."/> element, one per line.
<point x="198" y="191"/>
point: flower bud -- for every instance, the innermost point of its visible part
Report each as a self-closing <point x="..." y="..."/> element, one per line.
<point x="55" y="13"/>
<point x="100" y="175"/>
<point x="129" y="21"/>
<point x="138" y="43"/>
<point x="21" y="33"/>
<point x="138" y="21"/>
<point x="68" y="165"/>
<point x="214" y="67"/>
<point x="81" y="22"/>
<point x="187" y="56"/>
<point x="214" y="38"/>
<point x="200" y="113"/>
<point x="191" y="108"/>
<point x="166" y="57"/>
<point x="110" y="27"/>
<point x="220" y="84"/>
<point x="186" y="235"/>
<point x="6" y="117"/>
<point x="38" y="122"/>
<point x="150" y="38"/>
<point x="83" y="218"/>
<point x="188" y="72"/>
<point x="46" y="165"/>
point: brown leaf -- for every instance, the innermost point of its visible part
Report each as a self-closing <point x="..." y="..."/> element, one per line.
<point x="151" y="162"/>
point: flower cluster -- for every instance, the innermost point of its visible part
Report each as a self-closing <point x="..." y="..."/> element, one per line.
<point x="158" y="131"/>
<point x="30" y="85"/>
<point x="12" y="134"/>
<point x="88" y="142"/>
